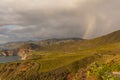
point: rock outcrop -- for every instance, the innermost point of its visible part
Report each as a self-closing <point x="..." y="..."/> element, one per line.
<point x="8" y="53"/>
<point x="24" y="50"/>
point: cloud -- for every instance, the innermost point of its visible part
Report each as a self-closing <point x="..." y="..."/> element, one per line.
<point x="43" y="19"/>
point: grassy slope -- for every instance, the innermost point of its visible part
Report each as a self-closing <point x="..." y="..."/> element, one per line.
<point x="56" y="62"/>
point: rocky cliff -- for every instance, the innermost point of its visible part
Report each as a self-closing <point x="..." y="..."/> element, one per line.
<point x="8" y="53"/>
<point x="24" y="50"/>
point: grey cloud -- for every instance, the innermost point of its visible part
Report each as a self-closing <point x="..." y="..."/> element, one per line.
<point x="58" y="19"/>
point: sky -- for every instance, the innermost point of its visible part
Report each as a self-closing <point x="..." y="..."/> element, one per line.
<point x="22" y="20"/>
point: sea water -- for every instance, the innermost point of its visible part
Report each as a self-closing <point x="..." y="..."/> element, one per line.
<point x="5" y="59"/>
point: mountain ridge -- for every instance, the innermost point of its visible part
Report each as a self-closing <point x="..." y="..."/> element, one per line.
<point x="12" y="45"/>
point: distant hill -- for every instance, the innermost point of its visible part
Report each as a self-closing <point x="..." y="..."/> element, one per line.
<point x="31" y="46"/>
<point x="13" y="45"/>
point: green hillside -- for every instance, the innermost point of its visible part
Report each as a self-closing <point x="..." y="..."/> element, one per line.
<point x="110" y="38"/>
<point x="95" y="59"/>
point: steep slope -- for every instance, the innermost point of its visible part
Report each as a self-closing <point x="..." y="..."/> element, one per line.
<point x="110" y="38"/>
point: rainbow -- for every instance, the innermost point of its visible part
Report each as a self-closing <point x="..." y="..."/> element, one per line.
<point x="90" y="25"/>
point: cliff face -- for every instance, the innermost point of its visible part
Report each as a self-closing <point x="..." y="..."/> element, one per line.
<point x="24" y="53"/>
<point x="24" y="50"/>
<point x="8" y="53"/>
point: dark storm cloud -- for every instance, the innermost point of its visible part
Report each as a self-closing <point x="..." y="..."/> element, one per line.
<point x="40" y="19"/>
